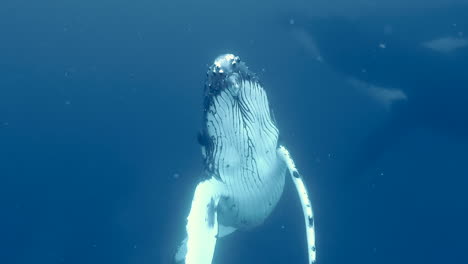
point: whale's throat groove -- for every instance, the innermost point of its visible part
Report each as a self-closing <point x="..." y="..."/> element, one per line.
<point x="240" y="130"/>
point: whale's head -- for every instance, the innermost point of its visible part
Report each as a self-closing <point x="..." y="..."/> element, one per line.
<point x="237" y="116"/>
<point x="226" y="75"/>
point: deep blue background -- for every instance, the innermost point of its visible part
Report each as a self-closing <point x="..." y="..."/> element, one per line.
<point x="100" y="103"/>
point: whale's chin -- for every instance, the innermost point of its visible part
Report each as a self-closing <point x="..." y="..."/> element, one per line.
<point x="227" y="73"/>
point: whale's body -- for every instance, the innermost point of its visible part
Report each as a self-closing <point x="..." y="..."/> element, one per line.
<point x="244" y="166"/>
<point x="243" y="140"/>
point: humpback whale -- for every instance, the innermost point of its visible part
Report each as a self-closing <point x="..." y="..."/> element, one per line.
<point x="244" y="166"/>
<point x="422" y="52"/>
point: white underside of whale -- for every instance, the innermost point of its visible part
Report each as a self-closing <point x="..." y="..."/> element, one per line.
<point x="203" y="228"/>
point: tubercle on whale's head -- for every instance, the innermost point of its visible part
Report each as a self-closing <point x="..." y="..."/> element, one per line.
<point x="226" y="72"/>
<point x="225" y="63"/>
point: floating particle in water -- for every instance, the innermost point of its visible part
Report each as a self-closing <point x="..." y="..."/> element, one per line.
<point x="291" y="21"/>
<point x="67" y="102"/>
<point x="176" y="176"/>
<point x="283" y="227"/>
<point x="5" y="123"/>
<point x="382" y="45"/>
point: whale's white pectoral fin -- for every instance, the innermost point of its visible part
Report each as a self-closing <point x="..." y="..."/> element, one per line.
<point x="305" y="202"/>
<point x="202" y="225"/>
<point x="182" y="249"/>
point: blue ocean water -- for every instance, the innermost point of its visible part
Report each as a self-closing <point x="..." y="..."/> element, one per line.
<point x="101" y="102"/>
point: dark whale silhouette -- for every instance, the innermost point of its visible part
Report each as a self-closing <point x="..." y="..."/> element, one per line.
<point x="428" y="61"/>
